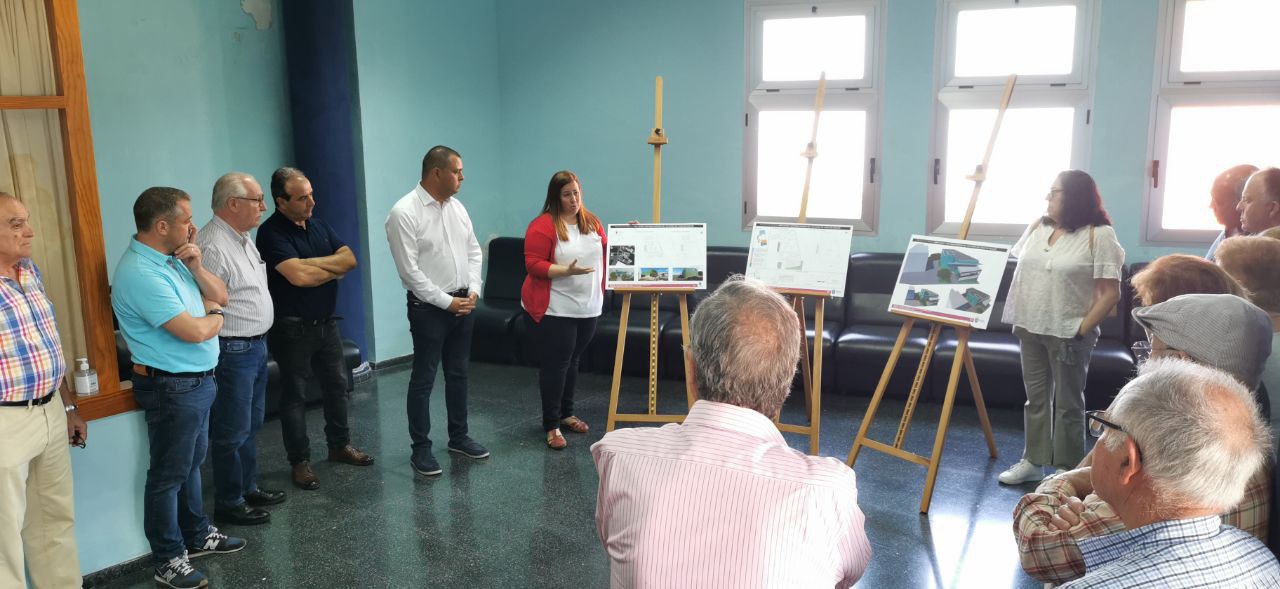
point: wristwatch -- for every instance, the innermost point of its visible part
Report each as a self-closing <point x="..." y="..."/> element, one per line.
<point x="71" y="407"/>
<point x="215" y="312"/>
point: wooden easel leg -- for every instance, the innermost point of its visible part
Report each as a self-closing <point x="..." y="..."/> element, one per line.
<point x="880" y="389"/>
<point x="689" y="393"/>
<point x="917" y="384"/>
<point x="935" y="459"/>
<point x="653" y="354"/>
<point x="798" y="304"/>
<point x="814" y="393"/>
<point x="617" y="362"/>
<point x="979" y="403"/>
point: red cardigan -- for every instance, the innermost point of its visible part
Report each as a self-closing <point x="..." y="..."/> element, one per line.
<point x="539" y="254"/>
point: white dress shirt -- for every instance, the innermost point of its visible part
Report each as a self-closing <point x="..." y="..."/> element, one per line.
<point x="722" y="501"/>
<point x="434" y="247"/>
<point x="233" y="257"/>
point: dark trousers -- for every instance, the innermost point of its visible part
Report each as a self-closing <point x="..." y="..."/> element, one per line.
<point x="177" y="413"/>
<point x="236" y="418"/>
<point x="438" y="335"/>
<point x="304" y="349"/>
<point x="561" y="341"/>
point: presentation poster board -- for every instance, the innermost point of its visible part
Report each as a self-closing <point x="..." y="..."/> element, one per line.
<point x="950" y="279"/>
<point x="657" y="255"/>
<point x="800" y="256"/>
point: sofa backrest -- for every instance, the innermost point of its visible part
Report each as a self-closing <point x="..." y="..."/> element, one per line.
<point x="869" y="286"/>
<point x="506" y="271"/>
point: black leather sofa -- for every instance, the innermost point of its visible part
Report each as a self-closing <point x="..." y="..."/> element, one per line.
<point x="858" y="333"/>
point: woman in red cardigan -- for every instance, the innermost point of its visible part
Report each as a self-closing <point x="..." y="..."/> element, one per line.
<point x="563" y="295"/>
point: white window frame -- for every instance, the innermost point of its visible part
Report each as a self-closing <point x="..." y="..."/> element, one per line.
<point x="1176" y="89"/>
<point x="861" y="94"/>
<point x="1073" y="90"/>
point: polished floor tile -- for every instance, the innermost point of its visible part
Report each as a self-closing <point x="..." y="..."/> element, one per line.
<point x="525" y="517"/>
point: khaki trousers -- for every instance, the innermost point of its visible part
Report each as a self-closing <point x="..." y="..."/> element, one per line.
<point x="1054" y="372"/>
<point x="37" y="511"/>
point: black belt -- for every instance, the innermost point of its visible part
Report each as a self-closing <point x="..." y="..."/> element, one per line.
<point x="143" y="370"/>
<point x="461" y="293"/>
<point x="244" y="338"/>
<point x="301" y="321"/>
<point x="29" y="403"/>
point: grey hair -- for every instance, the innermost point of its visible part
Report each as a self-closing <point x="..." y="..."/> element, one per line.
<point x="1199" y="430"/>
<point x="229" y="186"/>
<point x="745" y="343"/>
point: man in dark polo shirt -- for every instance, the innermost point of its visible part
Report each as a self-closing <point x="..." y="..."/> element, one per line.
<point x="305" y="258"/>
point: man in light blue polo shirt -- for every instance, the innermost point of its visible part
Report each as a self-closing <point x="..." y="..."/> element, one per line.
<point x="170" y="310"/>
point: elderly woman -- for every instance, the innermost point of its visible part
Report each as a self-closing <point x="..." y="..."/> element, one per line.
<point x="1255" y="262"/>
<point x="1067" y="280"/>
<point x="1179" y="274"/>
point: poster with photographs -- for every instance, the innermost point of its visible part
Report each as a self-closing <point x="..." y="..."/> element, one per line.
<point x="657" y="255"/>
<point x="800" y="256"/>
<point x="949" y="279"/>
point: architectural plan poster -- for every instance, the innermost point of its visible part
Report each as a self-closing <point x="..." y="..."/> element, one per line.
<point x="800" y="256"/>
<point x="950" y="279"/>
<point x="661" y="255"/>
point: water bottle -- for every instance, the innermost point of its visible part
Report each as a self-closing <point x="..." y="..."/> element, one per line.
<point x="86" y="379"/>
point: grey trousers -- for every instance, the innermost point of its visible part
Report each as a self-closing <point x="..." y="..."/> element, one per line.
<point x="1054" y="371"/>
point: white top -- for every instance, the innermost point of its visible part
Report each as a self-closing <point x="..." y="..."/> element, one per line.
<point x="722" y="501"/>
<point x="434" y="247"/>
<point x="233" y="257"/>
<point x="1052" y="286"/>
<point x="578" y="296"/>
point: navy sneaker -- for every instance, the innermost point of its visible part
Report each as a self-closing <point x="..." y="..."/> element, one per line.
<point x="216" y="543"/>
<point x="469" y="448"/>
<point x="424" y="463"/>
<point x="179" y="574"/>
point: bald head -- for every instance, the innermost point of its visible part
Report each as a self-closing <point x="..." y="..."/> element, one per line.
<point x="1259" y="206"/>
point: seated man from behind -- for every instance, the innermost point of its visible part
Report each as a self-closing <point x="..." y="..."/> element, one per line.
<point x="1176" y="449"/>
<point x="721" y="500"/>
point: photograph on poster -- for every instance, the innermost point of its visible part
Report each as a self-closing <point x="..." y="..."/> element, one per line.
<point x="949" y="279"/>
<point x="657" y="255"/>
<point x="800" y="256"/>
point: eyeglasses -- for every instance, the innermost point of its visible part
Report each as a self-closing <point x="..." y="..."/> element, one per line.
<point x="259" y="200"/>
<point x="1096" y="425"/>
<point x="1141" y="351"/>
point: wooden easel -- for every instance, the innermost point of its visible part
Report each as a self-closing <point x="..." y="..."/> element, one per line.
<point x="963" y="361"/>
<point x="812" y="373"/>
<point x="657" y="139"/>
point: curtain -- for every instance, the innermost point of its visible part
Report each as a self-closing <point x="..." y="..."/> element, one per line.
<point x="32" y="162"/>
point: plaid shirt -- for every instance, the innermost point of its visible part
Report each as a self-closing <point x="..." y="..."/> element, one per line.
<point x="1197" y="552"/>
<point x="1051" y="555"/>
<point x="31" y="362"/>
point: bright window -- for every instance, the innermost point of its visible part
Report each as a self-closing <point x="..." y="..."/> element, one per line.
<point x="789" y="47"/>
<point x="1195" y="157"/>
<point x="1044" y="37"/>
<point x="1230" y="36"/>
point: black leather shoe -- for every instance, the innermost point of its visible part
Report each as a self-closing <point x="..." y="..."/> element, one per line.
<point x="263" y="497"/>
<point x="241" y="515"/>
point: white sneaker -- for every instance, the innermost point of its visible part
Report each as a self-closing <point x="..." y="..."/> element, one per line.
<point x="1022" y="472"/>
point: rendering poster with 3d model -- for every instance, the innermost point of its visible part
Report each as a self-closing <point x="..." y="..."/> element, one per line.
<point x="949" y="279"/>
<point x="657" y="255"/>
<point x="800" y="256"/>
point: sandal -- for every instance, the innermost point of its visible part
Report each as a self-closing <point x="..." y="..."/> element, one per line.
<point x="574" y="425"/>
<point x="555" y="441"/>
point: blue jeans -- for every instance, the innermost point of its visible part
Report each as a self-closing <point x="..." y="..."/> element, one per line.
<point x="236" y="418"/>
<point x="177" y="412"/>
<point x="438" y="335"/>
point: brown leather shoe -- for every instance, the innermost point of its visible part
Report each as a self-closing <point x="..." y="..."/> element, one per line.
<point x="555" y="441"/>
<point x="349" y="455"/>
<point x="304" y="477"/>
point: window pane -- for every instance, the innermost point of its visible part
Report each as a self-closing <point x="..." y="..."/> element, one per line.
<point x="1034" y="145"/>
<point x="1203" y="142"/>
<point x="1024" y="41"/>
<point x="1230" y="36"/>
<point x="801" y="48"/>
<point x="835" y="190"/>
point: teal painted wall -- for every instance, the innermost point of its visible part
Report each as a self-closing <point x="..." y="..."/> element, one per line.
<point x="428" y="75"/>
<point x="180" y="92"/>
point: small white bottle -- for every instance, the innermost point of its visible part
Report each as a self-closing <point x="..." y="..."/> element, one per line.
<point x="86" y="379"/>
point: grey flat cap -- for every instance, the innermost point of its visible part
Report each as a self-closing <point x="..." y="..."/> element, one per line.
<point x="1219" y="330"/>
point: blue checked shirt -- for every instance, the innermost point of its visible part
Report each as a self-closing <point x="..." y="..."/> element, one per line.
<point x="1199" y="552"/>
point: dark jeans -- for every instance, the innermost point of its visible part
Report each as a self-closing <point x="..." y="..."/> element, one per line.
<point x="177" y="413"/>
<point x="561" y="341"/>
<point x="437" y="335"/>
<point x="303" y="349"/>
<point x="236" y="418"/>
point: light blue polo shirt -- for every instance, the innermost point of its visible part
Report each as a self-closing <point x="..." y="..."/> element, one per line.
<point x="148" y="289"/>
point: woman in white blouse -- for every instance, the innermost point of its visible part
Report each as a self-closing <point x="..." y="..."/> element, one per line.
<point x="1066" y="282"/>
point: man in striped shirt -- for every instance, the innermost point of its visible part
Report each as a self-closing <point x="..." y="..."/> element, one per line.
<point x="1176" y="449"/>
<point x="721" y="500"/>
<point x="37" y="511"/>
<point x="241" y="375"/>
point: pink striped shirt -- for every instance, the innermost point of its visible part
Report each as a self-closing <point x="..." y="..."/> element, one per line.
<point x="722" y="501"/>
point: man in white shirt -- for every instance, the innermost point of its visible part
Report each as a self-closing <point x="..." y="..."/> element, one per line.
<point x="438" y="259"/>
<point x="721" y="500"/>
